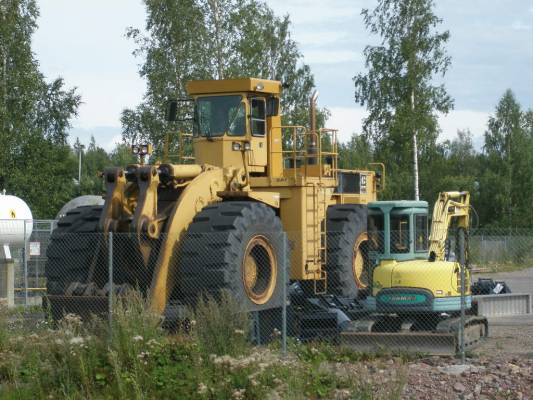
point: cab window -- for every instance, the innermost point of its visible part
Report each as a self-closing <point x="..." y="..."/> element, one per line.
<point x="375" y="231"/>
<point x="421" y="232"/>
<point x="219" y="115"/>
<point x="399" y="234"/>
<point x="258" y="112"/>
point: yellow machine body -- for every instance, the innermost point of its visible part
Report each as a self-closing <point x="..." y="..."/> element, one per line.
<point x="249" y="156"/>
<point x="441" y="278"/>
<point x="417" y="277"/>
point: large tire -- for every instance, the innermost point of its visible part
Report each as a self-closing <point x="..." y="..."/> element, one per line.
<point x="347" y="257"/>
<point x="73" y="246"/>
<point x="238" y="247"/>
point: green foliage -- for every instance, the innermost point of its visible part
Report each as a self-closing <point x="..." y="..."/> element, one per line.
<point x="212" y="39"/>
<point x="34" y="117"/>
<point x="399" y="88"/>
<point x="506" y="184"/>
<point x="357" y="153"/>
<point x="221" y="327"/>
<point x="138" y="360"/>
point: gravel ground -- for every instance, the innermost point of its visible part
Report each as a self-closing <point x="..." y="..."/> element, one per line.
<point x="499" y="368"/>
<point x="481" y="378"/>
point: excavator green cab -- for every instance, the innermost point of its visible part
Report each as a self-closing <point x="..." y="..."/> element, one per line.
<point x="406" y="276"/>
<point x="398" y="230"/>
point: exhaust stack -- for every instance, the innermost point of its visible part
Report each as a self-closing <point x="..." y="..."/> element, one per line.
<point x="312" y="141"/>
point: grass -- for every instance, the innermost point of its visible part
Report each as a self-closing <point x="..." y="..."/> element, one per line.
<point x="136" y="359"/>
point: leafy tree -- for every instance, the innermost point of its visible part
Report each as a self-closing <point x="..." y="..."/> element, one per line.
<point x="454" y="165"/>
<point x="94" y="161"/>
<point x="122" y="156"/>
<point x="356" y="153"/>
<point x="507" y="185"/>
<point x="208" y="39"/>
<point x="399" y="87"/>
<point x="34" y="117"/>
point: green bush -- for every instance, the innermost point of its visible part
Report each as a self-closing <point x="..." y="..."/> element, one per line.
<point x="137" y="359"/>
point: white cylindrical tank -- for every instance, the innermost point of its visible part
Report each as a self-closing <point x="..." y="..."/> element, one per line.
<point x="16" y="220"/>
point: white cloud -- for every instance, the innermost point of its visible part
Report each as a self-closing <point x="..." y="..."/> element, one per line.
<point x="314" y="38"/>
<point x="106" y="137"/>
<point x="330" y="56"/>
<point x="84" y="43"/>
<point x="105" y="97"/>
<point x="475" y="121"/>
<point x="520" y="26"/>
<point x="349" y="120"/>
<point x="111" y="144"/>
<point x="307" y="12"/>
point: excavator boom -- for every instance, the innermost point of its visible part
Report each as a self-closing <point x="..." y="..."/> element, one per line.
<point x="449" y="207"/>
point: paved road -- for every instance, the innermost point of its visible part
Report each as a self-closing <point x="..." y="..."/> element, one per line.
<point x="513" y="334"/>
<point x="518" y="281"/>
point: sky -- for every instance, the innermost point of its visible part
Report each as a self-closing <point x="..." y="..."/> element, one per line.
<point x="491" y="48"/>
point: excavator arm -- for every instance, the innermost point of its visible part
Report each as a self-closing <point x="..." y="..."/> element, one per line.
<point x="450" y="206"/>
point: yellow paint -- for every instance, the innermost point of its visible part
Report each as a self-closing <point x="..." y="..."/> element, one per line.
<point x="233" y="85"/>
<point x="440" y="277"/>
<point x="250" y="167"/>
<point x="205" y="187"/>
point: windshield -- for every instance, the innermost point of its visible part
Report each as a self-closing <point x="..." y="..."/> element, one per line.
<point x="217" y="115"/>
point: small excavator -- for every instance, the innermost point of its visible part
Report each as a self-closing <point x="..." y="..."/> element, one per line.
<point x="418" y="283"/>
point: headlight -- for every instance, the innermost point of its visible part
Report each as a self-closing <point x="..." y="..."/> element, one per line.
<point x="145" y="149"/>
<point x="236" y="146"/>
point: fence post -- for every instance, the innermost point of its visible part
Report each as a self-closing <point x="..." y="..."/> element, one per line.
<point x="284" y="297"/>
<point x="25" y="259"/>
<point x="110" y="280"/>
<point x="462" y="262"/>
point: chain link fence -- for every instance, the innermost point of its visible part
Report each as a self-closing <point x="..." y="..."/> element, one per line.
<point x="225" y="285"/>
<point x="24" y="245"/>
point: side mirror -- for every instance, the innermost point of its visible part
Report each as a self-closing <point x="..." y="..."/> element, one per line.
<point x="172" y="111"/>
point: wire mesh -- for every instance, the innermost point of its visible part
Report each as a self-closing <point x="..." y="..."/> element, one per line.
<point x="224" y="288"/>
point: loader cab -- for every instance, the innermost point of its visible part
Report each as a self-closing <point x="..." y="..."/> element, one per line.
<point x="398" y="230"/>
<point x="235" y="121"/>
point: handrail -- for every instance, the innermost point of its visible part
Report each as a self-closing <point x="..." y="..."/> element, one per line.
<point x="295" y="154"/>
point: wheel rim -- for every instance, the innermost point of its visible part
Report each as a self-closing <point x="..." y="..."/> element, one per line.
<point x="259" y="270"/>
<point x="360" y="263"/>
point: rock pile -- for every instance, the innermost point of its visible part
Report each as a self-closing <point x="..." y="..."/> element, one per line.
<point x="481" y="378"/>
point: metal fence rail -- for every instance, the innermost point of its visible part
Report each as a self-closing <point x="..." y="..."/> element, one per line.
<point x="93" y="274"/>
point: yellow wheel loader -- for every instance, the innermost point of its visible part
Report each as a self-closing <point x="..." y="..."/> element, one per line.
<point x="416" y="292"/>
<point x="219" y="223"/>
